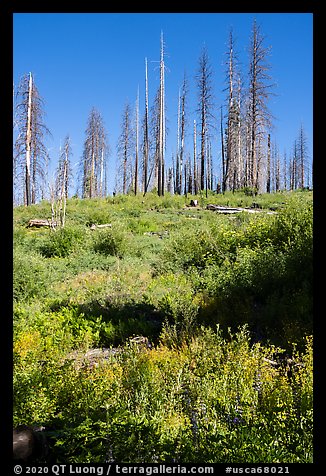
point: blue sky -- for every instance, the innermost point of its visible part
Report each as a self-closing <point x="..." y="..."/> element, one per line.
<point x="85" y="60"/>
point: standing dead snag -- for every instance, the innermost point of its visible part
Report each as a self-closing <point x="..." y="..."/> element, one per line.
<point x="181" y="137"/>
<point x="136" y="145"/>
<point x="29" y="141"/>
<point x="146" y="137"/>
<point x="205" y="99"/>
<point x="161" y="134"/>
<point x="93" y="163"/>
<point x="30" y="152"/>
<point x="232" y="162"/>
<point x="195" y="160"/>
<point x="300" y="159"/>
<point x="258" y="116"/>
<point x="125" y="151"/>
<point x="63" y="176"/>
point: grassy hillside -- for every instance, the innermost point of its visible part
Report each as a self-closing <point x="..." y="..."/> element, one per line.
<point x="217" y="296"/>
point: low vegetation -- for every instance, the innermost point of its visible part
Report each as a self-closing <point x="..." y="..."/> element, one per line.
<point x="225" y="302"/>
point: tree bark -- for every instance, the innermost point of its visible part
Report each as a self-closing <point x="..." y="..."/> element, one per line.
<point x="195" y="160"/>
<point x="160" y="175"/>
<point x="268" y="183"/>
<point x="136" y="158"/>
<point x="146" y="140"/>
<point x="28" y="142"/>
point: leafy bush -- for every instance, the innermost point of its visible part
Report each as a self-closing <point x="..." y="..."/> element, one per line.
<point x="30" y="276"/>
<point x="111" y="242"/>
<point x="294" y="225"/>
<point x="62" y="242"/>
<point x="191" y="248"/>
<point x="141" y="225"/>
<point x="271" y="291"/>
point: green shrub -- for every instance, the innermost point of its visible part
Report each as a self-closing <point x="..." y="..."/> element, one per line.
<point x="62" y="242"/>
<point x="141" y="225"/>
<point x="111" y="242"/>
<point x="191" y="248"/>
<point x="30" y="275"/>
<point x="19" y="236"/>
<point x="270" y="290"/>
<point x="294" y="225"/>
<point x="97" y="217"/>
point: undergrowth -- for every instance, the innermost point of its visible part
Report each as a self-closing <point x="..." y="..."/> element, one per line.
<point x="218" y="297"/>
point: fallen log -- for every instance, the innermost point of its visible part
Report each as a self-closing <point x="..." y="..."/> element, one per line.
<point x="36" y="222"/>
<point x="92" y="358"/>
<point x="223" y="209"/>
<point x="104" y="225"/>
<point x="160" y="234"/>
<point x="227" y="210"/>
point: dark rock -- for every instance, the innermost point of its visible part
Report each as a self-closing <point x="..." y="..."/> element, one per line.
<point x="29" y="443"/>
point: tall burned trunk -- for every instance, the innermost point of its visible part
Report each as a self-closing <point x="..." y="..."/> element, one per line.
<point x="161" y="144"/>
<point x="28" y="143"/>
<point x="136" y="151"/>
<point x="202" y="149"/>
<point x="181" y="128"/>
<point x="31" y="154"/>
<point x="268" y="182"/>
<point x="204" y="109"/>
<point x="94" y="156"/>
<point x="146" y="136"/>
<point x="195" y="160"/>
<point x="258" y="114"/>
<point x="224" y="164"/>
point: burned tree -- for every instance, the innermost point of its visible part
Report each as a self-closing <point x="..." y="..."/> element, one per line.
<point x="63" y="180"/>
<point x="30" y="152"/>
<point x="268" y="179"/>
<point x="136" y="144"/>
<point x="258" y="116"/>
<point x="302" y="157"/>
<point x="145" y="136"/>
<point x="157" y="143"/>
<point x="153" y="142"/>
<point x="205" y="105"/>
<point x="181" y="134"/>
<point x="195" y="175"/>
<point x="233" y="168"/>
<point x="161" y="123"/>
<point x="125" y="149"/>
<point x="94" y="158"/>
<point x="298" y="163"/>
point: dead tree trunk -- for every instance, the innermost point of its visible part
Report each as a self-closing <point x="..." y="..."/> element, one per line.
<point x="136" y="158"/>
<point x="29" y="142"/>
<point x="146" y="139"/>
<point x="160" y="175"/>
<point x="224" y="168"/>
<point x="195" y="160"/>
<point x="268" y="184"/>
